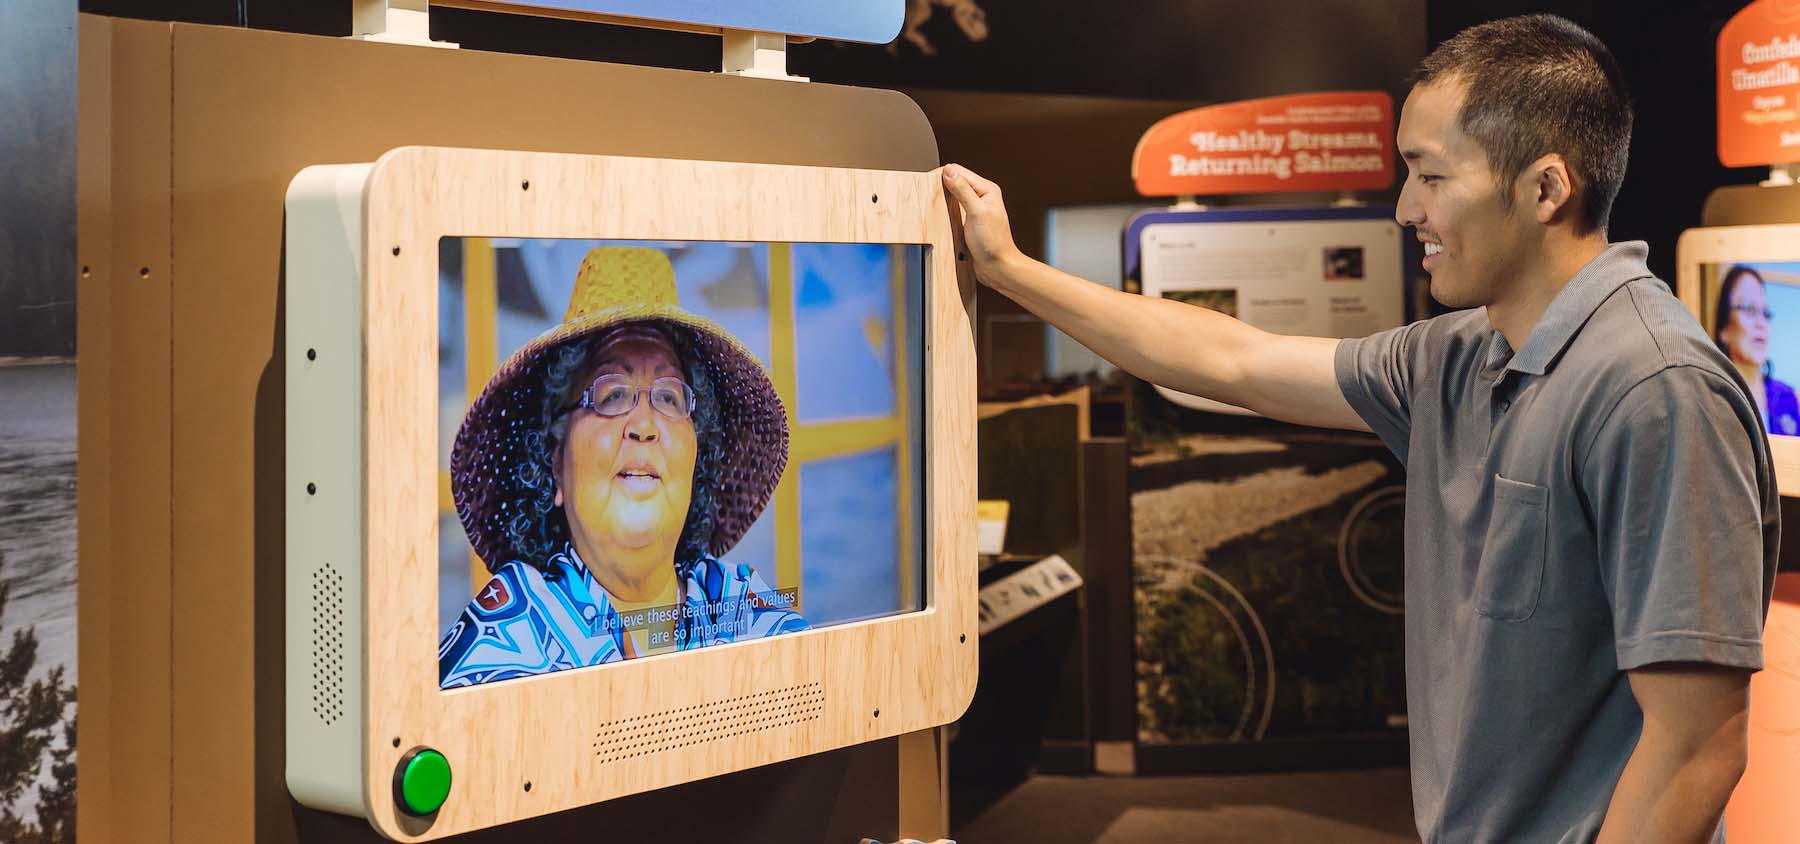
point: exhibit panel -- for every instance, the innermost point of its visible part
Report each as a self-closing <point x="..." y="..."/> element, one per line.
<point x="1266" y="556"/>
<point x="1269" y="594"/>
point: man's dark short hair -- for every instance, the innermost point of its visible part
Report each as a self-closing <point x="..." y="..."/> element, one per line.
<point x="1539" y="84"/>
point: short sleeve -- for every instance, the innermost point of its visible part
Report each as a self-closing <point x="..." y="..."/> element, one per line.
<point x="1676" y="488"/>
<point x="1375" y="374"/>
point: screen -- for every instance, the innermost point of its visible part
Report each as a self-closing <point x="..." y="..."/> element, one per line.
<point x="1752" y="311"/>
<point x="868" y="21"/>
<point x="652" y="447"/>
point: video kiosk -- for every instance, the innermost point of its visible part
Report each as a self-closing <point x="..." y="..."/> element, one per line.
<point x="1743" y="284"/>
<point x="609" y="474"/>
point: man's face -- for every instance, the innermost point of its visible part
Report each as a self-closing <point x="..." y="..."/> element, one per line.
<point x="1473" y="246"/>
<point x="626" y="481"/>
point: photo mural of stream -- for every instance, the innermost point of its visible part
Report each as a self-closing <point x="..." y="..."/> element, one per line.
<point x="1267" y="566"/>
<point x="38" y="272"/>
<point x="37" y="508"/>
<point x="37" y="612"/>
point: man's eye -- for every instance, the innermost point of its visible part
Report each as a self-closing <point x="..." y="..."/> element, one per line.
<point x="1427" y="179"/>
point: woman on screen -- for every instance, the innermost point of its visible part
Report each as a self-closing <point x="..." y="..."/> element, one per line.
<point x="1741" y="328"/>
<point x="603" y="472"/>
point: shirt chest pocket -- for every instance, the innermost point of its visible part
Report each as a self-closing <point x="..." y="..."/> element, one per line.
<point x="1511" y="576"/>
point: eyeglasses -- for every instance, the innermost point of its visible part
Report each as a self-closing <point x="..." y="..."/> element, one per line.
<point x="1753" y="311"/>
<point x="615" y="395"/>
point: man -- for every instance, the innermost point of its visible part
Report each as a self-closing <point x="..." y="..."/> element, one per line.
<point x="1591" y="521"/>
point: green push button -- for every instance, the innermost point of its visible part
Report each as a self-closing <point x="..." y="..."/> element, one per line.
<point x="424" y="782"/>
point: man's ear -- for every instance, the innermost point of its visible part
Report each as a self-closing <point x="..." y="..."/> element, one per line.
<point x="1548" y="188"/>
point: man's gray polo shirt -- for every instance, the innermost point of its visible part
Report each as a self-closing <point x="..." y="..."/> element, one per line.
<point x="1600" y="501"/>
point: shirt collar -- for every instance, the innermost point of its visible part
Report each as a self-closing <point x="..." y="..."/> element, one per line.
<point x="1499" y="354"/>
<point x="1612" y="269"/>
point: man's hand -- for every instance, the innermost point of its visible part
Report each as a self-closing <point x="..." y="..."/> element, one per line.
<point x="986" y="232"/>
<point x="1688" y="759"/>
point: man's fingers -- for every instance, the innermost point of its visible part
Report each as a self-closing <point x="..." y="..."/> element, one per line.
<point x="958" y="184"/>
<point x="982" y="186"/>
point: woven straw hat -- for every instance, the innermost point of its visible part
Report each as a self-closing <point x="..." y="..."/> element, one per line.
<point x="616" y="286"/>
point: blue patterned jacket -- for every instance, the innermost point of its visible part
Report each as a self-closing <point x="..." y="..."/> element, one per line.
<point x="524" y="622"/>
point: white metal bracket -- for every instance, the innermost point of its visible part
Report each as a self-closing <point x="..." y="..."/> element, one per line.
<point x="394" y="22"/>
<point x="1782" y="175"/>
<point x="759" y="54"/>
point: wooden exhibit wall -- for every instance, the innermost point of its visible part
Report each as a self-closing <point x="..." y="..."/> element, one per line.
<point x="189" y="136"/>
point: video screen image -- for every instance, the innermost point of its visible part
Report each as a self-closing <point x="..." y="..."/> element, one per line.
<point x="652" y="447"/>
<point x="1752" y="311"/>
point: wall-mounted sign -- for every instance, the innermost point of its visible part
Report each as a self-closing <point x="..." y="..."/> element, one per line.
<point x="868" y="21"/>
<point x="1759" y="84"/>
<point x="1335" y="141"/>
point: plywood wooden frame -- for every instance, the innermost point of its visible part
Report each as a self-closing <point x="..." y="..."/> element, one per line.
<point x="1698" y="248"/>
<point x="528" y="747"/>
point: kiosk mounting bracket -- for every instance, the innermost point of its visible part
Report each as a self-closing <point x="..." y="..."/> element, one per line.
<point x="759" y="54"/>
<point x="394" y="22"/>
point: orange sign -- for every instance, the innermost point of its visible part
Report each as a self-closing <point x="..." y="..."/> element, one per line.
<point x="1304" y="142"/>
<point x="1759" y="83"/>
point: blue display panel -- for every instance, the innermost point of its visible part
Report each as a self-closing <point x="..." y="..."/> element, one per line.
<point x="868" y="21"/>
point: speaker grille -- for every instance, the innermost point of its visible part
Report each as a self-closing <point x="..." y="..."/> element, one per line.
<point x="705" y="722"/>
<point x="328" y="643"/>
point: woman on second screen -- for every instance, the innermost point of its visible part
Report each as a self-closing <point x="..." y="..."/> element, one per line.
<point x="1741" y="329"/>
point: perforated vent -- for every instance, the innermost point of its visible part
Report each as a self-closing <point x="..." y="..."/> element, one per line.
<point x="701" y="723"/>
<point x="328" y="643"/>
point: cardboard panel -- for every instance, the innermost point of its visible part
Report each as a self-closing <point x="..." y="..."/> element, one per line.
<point x="94" y="464"/>
<point x="216" y="121"/>
<point x="124" y="454"/>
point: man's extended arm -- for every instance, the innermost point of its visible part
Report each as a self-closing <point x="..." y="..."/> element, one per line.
<point x="1687" y="761"/>
<point x="1179" y="346"/>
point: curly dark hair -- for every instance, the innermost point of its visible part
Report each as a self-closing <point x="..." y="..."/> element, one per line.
<point x="540" y="528"/>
